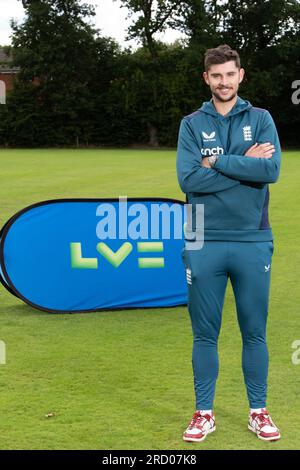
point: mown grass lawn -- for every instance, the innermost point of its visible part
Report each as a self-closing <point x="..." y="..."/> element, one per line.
<point x="123" y="379"/>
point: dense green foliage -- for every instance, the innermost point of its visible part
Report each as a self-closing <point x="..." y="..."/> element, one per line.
<point x="77" y="88"/>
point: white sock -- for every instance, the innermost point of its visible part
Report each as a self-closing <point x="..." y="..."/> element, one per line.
<point x="206" y="412"/>
<point x="257" y="410"/>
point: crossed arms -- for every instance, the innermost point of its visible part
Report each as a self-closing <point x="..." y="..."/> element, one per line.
<point x="260" y="164"/>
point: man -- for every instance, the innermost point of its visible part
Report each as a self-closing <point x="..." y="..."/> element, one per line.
<point x="228" y="152"/>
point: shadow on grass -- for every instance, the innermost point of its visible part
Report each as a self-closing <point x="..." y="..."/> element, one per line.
<point x="25" y="310"/>
<point x="22" y="309"/>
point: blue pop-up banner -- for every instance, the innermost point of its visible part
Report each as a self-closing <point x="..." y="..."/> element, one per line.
<point x="79" y="255"/>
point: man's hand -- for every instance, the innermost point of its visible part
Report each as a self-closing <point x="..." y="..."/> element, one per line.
<point x="205" y="162"/>
<point x="265" y="150"/>
<point x="261" y="150"/>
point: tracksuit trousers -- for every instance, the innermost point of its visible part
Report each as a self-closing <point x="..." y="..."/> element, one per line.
<point x="248" y="265"/>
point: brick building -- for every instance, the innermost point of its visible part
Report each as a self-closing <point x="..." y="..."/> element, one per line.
<point x="7" y="74"/>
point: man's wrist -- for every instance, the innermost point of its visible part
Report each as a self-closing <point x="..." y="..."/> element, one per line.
<point x="212" y="160"/>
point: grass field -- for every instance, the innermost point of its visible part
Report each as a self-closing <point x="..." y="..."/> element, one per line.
<point x="123" y="380"/>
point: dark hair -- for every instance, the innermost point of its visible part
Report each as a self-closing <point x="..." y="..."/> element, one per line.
<point x="220" y="55"/>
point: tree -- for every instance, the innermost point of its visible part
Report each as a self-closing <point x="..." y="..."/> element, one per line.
<point x="153" y="16"/>
<point x="56" y="50"/>
<point x="254" y="25"/>
<point x="199" y="20"/>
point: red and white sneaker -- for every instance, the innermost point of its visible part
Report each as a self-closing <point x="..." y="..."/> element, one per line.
<point x="263" y="426"/>
<point x="199" y="427"/>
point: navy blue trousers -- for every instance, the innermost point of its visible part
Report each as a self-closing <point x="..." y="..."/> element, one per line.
<point x="248" y="266"/>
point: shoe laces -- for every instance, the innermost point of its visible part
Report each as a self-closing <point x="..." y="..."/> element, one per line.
<point x="198" y="420"/>
<point x="264" y="419"/>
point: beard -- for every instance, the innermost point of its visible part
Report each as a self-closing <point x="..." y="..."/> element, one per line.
<point x="224" y="99"/>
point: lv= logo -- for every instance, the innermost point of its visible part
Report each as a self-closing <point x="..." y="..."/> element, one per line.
<point x="116" y="258"/>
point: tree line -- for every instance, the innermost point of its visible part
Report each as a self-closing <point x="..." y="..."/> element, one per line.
<point x="78" y="88"/>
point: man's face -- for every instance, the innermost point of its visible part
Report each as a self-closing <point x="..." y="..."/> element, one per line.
<point x="224" y="80"/>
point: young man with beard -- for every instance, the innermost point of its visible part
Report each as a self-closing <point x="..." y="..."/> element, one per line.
<point x="228" y="153"/>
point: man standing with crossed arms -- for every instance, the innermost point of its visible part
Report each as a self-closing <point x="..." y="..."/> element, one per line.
<point x="228" y="153"/>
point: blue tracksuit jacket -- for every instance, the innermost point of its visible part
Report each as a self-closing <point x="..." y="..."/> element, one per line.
<point x="235" y="192"/>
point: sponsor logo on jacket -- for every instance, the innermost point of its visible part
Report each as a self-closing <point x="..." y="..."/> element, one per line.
<point x="209" y="137"/>
<point x="212" y="151"/>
